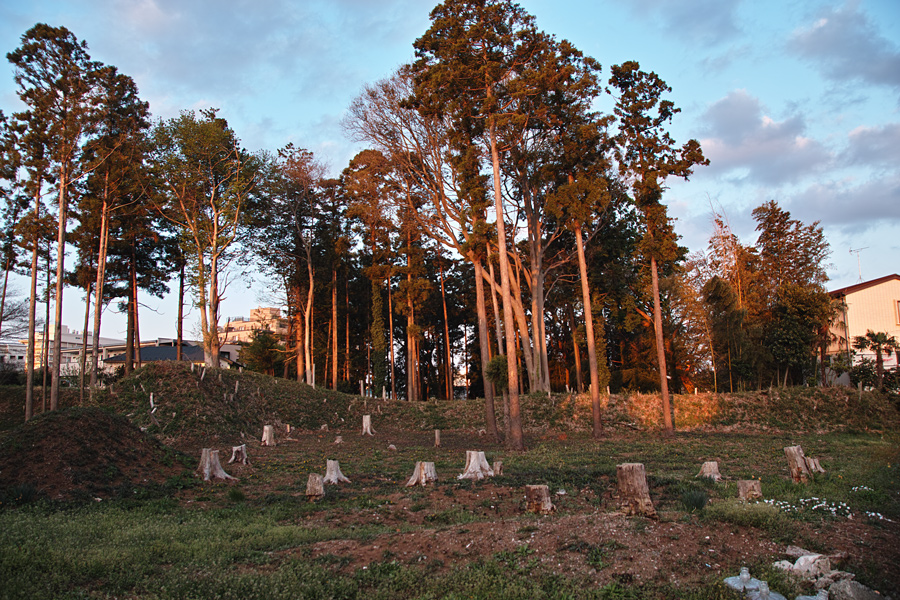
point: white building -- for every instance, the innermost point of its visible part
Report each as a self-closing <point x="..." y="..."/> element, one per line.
<point x="868" y="306"/>
<point x="72" y="342"/>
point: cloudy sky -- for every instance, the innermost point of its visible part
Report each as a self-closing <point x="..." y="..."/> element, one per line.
<point x="792" y="100"/>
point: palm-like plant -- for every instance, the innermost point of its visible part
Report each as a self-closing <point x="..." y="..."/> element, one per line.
<point x="882" y="345"/>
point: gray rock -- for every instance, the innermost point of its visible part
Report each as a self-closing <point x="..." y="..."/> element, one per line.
<point x="852" y="590"/>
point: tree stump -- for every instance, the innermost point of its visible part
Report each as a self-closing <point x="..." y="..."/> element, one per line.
<point x="477" y="466"/>
<point x="315" y="487"/>
<point x="210" y="467"/>
<point x="749" y="489"/>
<point x="437" y="438"/>
<point x="268" y="437"/>
<point x="423" y="474"/>
<point x="634" y="495"/>
<point x="333" y="473"/>
<point x="367" y="425"/>
<point x="813" y="465"/>
<point x="797" y="463"/>
<point x="498" y="468"/>
<point x="339" y="439"/>
<point x="537" y="500"/>
<point x="710" y="470"/>
<point x="239" y="453"/>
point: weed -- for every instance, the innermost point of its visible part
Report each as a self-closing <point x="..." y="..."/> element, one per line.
<point x="236" y="495"/>
<point x="694" y="499"/>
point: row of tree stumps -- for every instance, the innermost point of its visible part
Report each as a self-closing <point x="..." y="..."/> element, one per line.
<point x="633" y="491"/>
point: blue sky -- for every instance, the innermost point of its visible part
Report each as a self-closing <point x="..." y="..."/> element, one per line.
<point x="792" y="100"/>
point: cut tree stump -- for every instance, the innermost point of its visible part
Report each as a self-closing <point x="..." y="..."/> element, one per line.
<point x="477" y="466"/>
<point x="498" y="468"/>
<point x="210" y="467"/>
<point x="239" y="453"/>
<point x="315" y="487"/>
<point x="710" y="470"/>
<point x="423" y="474"/>
<point x="338" y="439"/>
<point x="437" y="438"/>
<point x="634" y="495"/>
<point x="268" y="438"/>
<point x="367" y="425"/>
<point x="333" y="473"/>
<point x="813" y="465"/>
<point x="801" y="467"/>
<point x="749" y="489"/>
<point x="537" y="500"/>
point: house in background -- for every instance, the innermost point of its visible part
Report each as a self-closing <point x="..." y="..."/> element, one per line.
<point x="167" y="349"/>
<point x="240" y="330"/>
<point x="871" y="305"/>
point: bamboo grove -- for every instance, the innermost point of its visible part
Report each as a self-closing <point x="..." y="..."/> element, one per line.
<point x="499" y="235"/>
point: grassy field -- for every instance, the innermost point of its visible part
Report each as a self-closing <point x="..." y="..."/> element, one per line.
<point x="260" y="537"/>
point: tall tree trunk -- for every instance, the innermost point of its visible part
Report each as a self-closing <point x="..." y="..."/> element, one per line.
<point x="211" y="335"/>
<point x="137" y="319"/>
<point x="391" y="337"/>
<point x="447" y="356"/>
<point x="129" y="335"/>
<point x="597" y="431"/>
<point x="98" y="293"/>
<point x="334" y="331"/>
<point x="579" y="380"/>
<point x="516" y="441"/>
<point x="347" y="333"/>
<point x="485" y="345"/>
<point x="6" y="268"/>
<point x="60" y="283"/>
<point x="660" y="349"/>
<point x="45" y="347"/>
<point x="32" y="325"/>
<point x="179" y="326"/>
<point x="412" y="351"/>
<point x="307" y="318"/>
<point x="82" y="363"/>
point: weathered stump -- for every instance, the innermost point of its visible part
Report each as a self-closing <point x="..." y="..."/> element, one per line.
<point x="315" y="487"/>
<point x="338" y="439"/>
<point x="813" y="465"/>
<point x="367" y="425"/>
<point x="799" y="465"/>
<point x="498" y="468"/>
<point x="634" y="495"/>
<point x="333" y="473"/>
<point x="537" y="500"/>
<point x="210" y="467"/>
<point x="710" y="470"/>
<point x="477" y="466"/>
<point x="268" y="437"/>
<point x="423" y="474"/>
<point x="749" y="489"/>
<point x="239" y="453"/>
<point x="437" y="438"/>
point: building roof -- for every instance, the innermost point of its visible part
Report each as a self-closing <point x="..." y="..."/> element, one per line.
<point x="159" y="353"/>
<point x="863" y="285"/>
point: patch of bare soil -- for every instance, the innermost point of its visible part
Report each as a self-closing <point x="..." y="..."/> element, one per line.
<point x="595" y="543"/>
<point x="82" y="453"/>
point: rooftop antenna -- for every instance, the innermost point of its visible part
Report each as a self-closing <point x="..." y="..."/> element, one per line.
<point x="858" y="264"/>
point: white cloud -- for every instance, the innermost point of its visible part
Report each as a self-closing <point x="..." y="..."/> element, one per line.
<point x="744" y="143"/>
<point x="710" y="21"/>
<point x="877" y="146"/>
<point x="850" y="205"/>
<point x="846" y="46"/>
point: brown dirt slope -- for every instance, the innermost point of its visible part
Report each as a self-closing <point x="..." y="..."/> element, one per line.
<point x="82" y="453"/>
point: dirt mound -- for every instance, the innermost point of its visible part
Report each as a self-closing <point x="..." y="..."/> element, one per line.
<point x="82" y="453"/>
